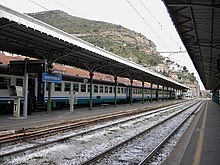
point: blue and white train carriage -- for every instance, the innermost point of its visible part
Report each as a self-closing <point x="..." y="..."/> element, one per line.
<point x="103" y="91"/>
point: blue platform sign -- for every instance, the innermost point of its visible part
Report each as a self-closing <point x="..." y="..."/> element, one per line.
<point x="50" y="77"/>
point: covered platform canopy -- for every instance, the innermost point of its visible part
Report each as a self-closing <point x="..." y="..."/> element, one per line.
<point x="198" y="25"/>
<point x="24" y="35"/>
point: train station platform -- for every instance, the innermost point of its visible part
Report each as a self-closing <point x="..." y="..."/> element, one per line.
<point x="7" y="122"/>
<point x="200" y="144"/>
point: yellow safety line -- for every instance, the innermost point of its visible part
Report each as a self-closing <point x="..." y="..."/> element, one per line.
<point x="197" y="155"/>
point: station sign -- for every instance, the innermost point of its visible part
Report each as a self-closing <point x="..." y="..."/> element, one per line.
<point x="51" y="77"/>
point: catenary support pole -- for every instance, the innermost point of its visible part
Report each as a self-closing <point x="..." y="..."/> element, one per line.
<point x="50" y="69"/>
<point x="25" y="88"/>
<point x="131" y="92"/>
<point x="142" y="92"/>
<point x="115" y="92"/>
<point x="151" y="92"/>
<point x="157" y="93"/>
<point x="91" y="89"/>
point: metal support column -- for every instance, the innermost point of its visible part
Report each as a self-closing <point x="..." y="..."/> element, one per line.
<point x="163" y="94"/>
<point x="25" y="88"/>
<point x="157" y="94"/>
<point x="151" y="92"/>
<point x="142" y="92"/>
<point x="115" y="92"/>
<point x="50" y="70"/>
<point x="90" y="92"/>
<point x="131" y="97"/>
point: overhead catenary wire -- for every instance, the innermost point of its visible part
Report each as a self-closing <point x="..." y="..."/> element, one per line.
<point x="69" y="8"/>
<point x="160" y="25"/>
<point x="145" y="22"/>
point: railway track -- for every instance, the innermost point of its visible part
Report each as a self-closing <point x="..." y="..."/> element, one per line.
<point x="49" y="130"/>
<point x="118" y="153"/>
<point x="43" y="143"/>
<point x="91" y="130"/>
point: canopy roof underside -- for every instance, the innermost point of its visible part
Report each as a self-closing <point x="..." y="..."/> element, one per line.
<point x="27" y="36"/>
<point x="198" y="25"/>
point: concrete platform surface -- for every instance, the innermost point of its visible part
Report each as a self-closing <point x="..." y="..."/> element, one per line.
<point x="200" y="145"/>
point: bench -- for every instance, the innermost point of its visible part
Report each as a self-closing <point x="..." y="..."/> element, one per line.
<point x="103" y="105"/>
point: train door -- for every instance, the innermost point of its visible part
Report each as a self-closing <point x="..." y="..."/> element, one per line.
<point x="128" y="94"/>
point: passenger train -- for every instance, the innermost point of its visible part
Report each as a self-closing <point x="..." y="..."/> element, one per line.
<point x="103" y="91"/>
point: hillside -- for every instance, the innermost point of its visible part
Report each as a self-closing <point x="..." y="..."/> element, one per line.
<point x="115" y="38"/>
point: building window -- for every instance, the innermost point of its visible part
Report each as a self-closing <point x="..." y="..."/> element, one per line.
<point x="83" y="87"/>
<point x="58" y="86"/>
<point x="67" y="86"/>
<point x="76" y="87"/>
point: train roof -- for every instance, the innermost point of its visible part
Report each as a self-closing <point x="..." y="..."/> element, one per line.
<point x="66" y="77"/>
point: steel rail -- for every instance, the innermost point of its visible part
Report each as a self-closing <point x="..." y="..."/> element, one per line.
<point x="15" y="138"/>
<point x="166" y="139"/>
<point x="85" y="132"/>
<point x="114" y="148"/>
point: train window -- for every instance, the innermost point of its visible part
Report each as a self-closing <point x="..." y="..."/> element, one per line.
<point x="3" y="84"/>
<point x="76" y="87"/>
<point x="96" y="88"/>
<point x="47" y="86"/>
<point x="119" y="91"/>
<point x="67" y="86"/>
<point x="88" y="89"/>
<point x="110" y="90"/>
<point x="19" y="81"/>
<point x="106" y="89"/>
<point x="83" y="87"/>
<point x="7" y="80"/>
<point x="134" y="91"/>
<point x="57" y="86"/>
<point x="101" y="89"/>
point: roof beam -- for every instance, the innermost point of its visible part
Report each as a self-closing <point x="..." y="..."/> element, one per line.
<point x="195" y="5"/>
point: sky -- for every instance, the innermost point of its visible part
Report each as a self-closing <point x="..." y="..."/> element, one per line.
<point x="148" y="17"/>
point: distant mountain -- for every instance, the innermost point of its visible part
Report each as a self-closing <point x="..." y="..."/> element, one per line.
<point x="114" y="38"/>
